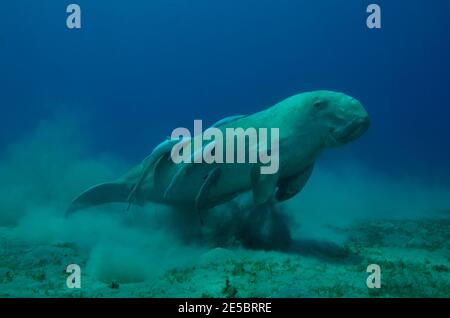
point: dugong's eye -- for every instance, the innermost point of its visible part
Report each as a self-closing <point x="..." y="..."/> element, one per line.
<point x="319" y="104"/>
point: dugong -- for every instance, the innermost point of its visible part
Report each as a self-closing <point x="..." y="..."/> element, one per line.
<point x="308" y="123"/>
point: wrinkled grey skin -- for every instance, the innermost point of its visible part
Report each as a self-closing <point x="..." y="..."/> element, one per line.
<point x="308" y="123"/>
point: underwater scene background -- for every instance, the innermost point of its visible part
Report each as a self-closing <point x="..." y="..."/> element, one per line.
<point x="80" y="107"/>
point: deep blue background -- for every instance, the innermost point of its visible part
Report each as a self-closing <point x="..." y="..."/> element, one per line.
<point x="142" y="68"/>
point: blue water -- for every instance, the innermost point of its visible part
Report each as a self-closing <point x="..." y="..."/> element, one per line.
<point x="138" y="69"/>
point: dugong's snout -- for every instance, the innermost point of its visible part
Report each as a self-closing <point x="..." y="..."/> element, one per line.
<point x="353" y="122"/>
<point x="353" y="131"/>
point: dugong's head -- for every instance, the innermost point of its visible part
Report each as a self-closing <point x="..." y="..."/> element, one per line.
<point x="337" y="118"/>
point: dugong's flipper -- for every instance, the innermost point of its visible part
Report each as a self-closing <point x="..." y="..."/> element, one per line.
<point x="289" y="187"/>
<point x="263" y="186"/>
<point x="101" y="194"/>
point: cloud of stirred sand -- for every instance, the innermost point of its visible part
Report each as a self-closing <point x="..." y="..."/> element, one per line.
<point x="43" y="171"/>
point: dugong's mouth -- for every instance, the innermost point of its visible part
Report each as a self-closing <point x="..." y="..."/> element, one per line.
<point x="351" y="132"/>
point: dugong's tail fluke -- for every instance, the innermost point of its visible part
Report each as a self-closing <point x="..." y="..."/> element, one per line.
<point x="100" y="194"/>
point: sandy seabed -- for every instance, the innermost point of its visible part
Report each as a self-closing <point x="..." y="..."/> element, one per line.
<point x="414" y="256"/>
